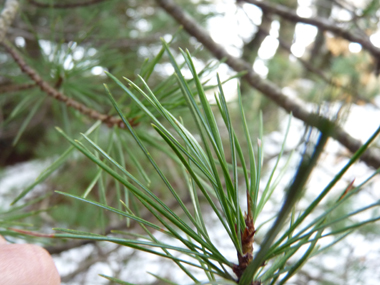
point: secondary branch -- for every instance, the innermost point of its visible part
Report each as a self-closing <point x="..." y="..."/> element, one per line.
<point x="52" y="92"/>
<point x="321" y="23"/>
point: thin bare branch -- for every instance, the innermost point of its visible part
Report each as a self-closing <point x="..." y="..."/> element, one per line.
<point x="321" y="23"/>
<point x="270" y="90"/>
<point x="14" y="88"/>
<point x="64" y="5"/>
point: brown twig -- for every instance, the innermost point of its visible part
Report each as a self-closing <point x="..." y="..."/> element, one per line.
<point x="263" y="32"/>
<point x="267" y="88"/>
<point x="65" y="5"/>
<point x="321" y="23"/>
<point x="14" y="88"/>
<point x="49" y="90"/>
<point x="247" y="239"/>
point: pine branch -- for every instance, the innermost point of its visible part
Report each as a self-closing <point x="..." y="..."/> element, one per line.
<point x="6" y="17"/>
<point x="51" y="91"/>
<point x="267" y="88"/>
<point x="14" y="88"/>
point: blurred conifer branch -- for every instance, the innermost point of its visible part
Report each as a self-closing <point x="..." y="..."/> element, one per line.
<point x="15" y="88"/>
<point x="270" y="90"/>
<point x="267" y="88"/>
<point x="52" y="92"/>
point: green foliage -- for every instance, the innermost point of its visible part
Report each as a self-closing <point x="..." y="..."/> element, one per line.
<point x="176" y="159"/>
<point x="204" y="166"/>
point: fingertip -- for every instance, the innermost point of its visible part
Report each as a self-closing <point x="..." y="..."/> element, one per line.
<point x="27" y="264"/>
<point x="2" y="240"/>
<point x="47" y="265"/>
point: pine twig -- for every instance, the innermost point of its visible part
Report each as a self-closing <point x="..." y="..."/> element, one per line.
<point x="49" y="90"/>
<point x="14" y="88"/>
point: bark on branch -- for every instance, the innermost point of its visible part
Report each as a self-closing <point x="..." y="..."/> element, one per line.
<point x="370" y="157"/>
<point x="15" y="88"/>
<point x="321" y="23"/>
